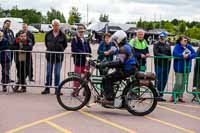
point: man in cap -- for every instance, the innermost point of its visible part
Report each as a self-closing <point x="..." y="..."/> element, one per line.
<point x="80" y="45"/>
<point x="162" y="64"/>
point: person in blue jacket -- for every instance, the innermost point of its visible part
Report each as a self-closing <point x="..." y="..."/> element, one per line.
<point x="80" y="47"/>
<point x="5" y="60"/>
<point x="104" y="50"/>
<point x="124" y="64"/>
<point x="183" y="53"/>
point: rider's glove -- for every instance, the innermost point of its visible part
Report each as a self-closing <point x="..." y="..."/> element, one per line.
<point x="109" y="64"/>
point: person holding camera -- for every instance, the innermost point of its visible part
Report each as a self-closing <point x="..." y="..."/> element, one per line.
<point x="183" y="53"/>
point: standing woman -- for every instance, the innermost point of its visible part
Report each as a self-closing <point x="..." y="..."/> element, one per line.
<point x="183" y="53"/>
<point x="104" y="50"/>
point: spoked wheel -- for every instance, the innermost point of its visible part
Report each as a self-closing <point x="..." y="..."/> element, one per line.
<point x="73" y="94"/>
<point x="140" y="100"/>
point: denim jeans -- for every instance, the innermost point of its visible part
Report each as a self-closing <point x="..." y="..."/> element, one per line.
<point x="57" y="69"/>
<point x="162" y="73"/>
<point x="5" y="72"/>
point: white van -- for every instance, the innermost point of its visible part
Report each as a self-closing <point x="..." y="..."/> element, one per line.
<point x="45" y="27"/>
<point x="16" y="24"/>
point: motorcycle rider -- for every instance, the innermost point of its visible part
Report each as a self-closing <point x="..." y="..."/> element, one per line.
<point x="124" y="64"/>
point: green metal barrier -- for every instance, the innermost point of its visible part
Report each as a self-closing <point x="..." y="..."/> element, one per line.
<point x="152" y="64"/>
<point x="167" y="61"/>
<point x="97" y="80"/>
<point x="196" y="80"/>
<point x="156" y="64"/>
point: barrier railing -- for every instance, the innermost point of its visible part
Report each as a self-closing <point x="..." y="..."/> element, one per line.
<point x="38" y="63"/>
<point x="17" y="69"/>
<point x="194" y="82"/>
<point x="166" y="77"/>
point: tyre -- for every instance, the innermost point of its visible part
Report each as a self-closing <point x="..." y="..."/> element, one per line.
<point x="73" y="94"/>
<point x="140" y="100"/>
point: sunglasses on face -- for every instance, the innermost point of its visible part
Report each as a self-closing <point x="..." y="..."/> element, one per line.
<point x="56" y="25"/>
<point x="185" y="40"/>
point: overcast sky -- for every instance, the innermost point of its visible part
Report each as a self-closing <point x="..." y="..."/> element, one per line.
<point x="120" y="11"/>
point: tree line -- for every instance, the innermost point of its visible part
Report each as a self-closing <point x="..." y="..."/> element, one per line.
<point x="33" y="16"/>
<point x="176" y="27"/>
<point x="37" y="17"/>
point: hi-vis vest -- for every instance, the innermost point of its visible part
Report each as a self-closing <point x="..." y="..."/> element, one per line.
<point x="135" y="43"/>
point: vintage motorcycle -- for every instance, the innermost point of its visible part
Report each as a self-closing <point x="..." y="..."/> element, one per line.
<point x="135" y="93"/>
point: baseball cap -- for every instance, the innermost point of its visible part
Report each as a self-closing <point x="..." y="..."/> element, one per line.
<point x="163" y="34"/>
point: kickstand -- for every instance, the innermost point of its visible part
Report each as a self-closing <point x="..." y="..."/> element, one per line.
<point x="88" y="105"/>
